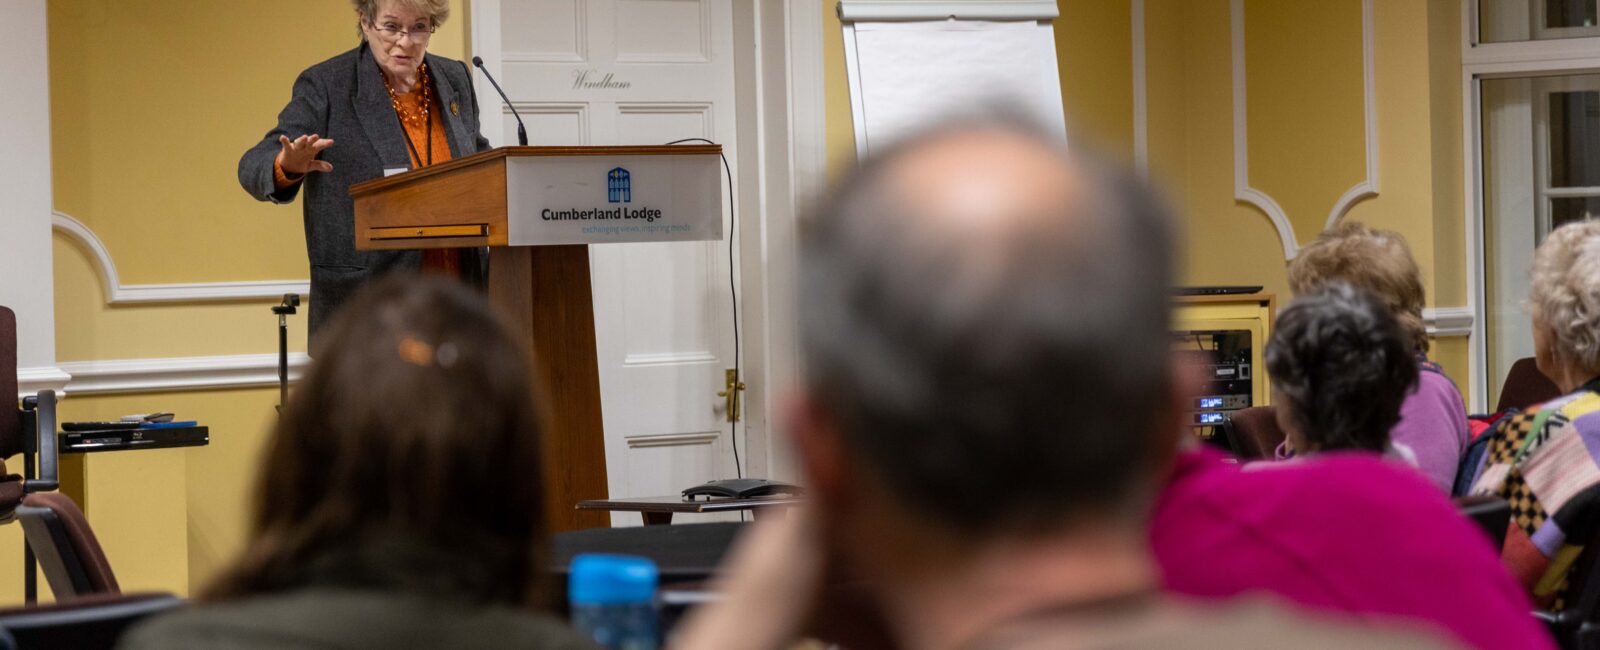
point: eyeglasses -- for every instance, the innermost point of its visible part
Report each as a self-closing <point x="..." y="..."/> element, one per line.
<point x="392" y="32"/>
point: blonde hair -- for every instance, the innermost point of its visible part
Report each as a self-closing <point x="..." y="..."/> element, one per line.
<point x="1376" y="260"/>
<point x="437" y="11"/>
<point x="1565" y="291"/>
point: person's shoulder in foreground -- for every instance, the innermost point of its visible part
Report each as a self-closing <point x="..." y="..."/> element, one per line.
<point x="1248" y="624"/>
<point x="1343" y="532"/>
<point x="346" y="618"/>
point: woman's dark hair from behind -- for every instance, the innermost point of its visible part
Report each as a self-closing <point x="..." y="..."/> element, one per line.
<point x="1342" y="364"/>
<point x="408" y="457"/>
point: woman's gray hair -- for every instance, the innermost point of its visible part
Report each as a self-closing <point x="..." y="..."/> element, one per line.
<point x="437" y="11"/>
<point x="1565" y="291"/>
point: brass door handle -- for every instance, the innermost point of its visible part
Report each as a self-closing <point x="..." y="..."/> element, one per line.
<point x="730" y="394"/>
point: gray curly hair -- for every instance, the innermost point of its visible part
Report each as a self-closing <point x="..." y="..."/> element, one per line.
<point x="436" y="10"/>
<point x="1565" y="291"/>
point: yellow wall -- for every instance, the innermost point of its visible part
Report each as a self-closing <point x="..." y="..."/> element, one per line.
<point x="152" y="103"/>
<point x="1094" y="43"/>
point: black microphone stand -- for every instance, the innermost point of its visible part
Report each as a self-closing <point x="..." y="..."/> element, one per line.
<point x="283" y="310"/>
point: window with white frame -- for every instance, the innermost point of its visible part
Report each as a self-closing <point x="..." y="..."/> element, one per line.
<point x="1504" y="21"/>
<point x="1531" y="73"/>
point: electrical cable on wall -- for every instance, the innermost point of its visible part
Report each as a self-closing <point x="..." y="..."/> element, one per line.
<point x="733" y="296"/>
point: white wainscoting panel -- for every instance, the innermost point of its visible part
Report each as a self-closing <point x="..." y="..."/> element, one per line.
<point x="545" y="31"/>
<point x="118" y="293"/>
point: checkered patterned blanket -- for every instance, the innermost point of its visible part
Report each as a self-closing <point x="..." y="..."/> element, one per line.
<point x="1546" y="463"/>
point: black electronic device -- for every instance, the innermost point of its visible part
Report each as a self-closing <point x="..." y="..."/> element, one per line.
<point x="1230" y="290"/>
<point x="742" y="488"/>
<point x="1224" y="358"/>
<point x="138" y="438"/>
<point x="100" y="426"/>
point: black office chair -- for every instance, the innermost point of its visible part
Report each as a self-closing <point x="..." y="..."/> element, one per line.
<point x="89" y="623"/>
<point x="30" y="432"/>
<point x="1525" y="386"/>
<point x="67" y="549"/>
<point x="1253" y="433"/>
<point x="1577" y="625"/>
<point x="1491" y="513"/>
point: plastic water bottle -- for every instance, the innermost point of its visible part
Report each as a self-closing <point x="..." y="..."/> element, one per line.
<point x="613" y="600"/>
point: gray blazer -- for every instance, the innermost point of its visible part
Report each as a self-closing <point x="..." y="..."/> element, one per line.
<point x="344" y="98"/>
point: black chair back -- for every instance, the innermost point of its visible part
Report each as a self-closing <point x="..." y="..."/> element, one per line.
<point x="1253" y="433"/>
<point x="69" y="553"/>
<point x="10" y="416"/>
<point x="1525" y="386"/>
<point x="1491" y="513"/>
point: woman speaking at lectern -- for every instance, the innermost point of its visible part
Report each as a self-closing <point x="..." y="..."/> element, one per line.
<point x="383" y="107"/>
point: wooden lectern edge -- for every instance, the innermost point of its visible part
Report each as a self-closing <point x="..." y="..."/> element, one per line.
<point x="376" y="184"/>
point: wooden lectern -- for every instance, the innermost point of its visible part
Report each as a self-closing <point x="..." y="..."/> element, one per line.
<point x="537" y="209"/>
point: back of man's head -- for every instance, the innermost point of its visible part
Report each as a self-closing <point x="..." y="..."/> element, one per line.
<point x="984" y="323"/>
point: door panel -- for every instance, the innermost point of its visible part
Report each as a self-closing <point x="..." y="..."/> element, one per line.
<point x="601" y="72"/>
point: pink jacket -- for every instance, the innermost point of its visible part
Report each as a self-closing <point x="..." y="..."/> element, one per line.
<point x="1345" y="532"/>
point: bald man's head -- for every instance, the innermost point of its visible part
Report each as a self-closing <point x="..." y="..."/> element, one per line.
<point x="985" y="320"/>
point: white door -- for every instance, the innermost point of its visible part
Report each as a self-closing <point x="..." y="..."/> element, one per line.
<point x="635" y="72"/>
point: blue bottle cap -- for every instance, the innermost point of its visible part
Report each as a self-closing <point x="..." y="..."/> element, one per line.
<point x="602" y="579"/>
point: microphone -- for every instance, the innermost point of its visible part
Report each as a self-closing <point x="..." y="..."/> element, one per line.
<point x="522" y="131"/>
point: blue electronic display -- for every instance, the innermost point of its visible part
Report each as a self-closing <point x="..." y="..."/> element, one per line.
<point x="1210" y="418"/>
<point x="1211" y="402"/>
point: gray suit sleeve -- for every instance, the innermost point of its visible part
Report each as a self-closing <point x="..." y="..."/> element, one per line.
<point x="477" y="127"/>
<point x="306" y="113"/>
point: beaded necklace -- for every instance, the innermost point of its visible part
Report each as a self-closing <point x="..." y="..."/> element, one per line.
<point x="420" y="117"/>
<point x="414" y="118"/>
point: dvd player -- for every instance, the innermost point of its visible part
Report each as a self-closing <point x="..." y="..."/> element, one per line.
<point x="126" y="439"/>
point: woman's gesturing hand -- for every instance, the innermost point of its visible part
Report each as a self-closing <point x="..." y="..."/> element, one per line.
<point x="299" y="155"/>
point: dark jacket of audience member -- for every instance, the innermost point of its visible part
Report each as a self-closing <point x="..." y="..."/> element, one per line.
<point x="399" y="504"/>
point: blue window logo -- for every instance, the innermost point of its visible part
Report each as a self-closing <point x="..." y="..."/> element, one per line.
<point x="619" y="186"/>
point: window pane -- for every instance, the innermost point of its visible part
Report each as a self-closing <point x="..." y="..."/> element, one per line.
<point x="1575" y="139"/>
<point x="1501" y="21"/>
<point x="1573" y="208"/>
<point x="1569" y="13"/>
<point x="1541" y="139"/>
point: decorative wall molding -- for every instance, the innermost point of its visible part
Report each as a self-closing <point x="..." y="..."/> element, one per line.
<point x="674" y="439"/>
<point x="178" y="374"/>
<point x="118" y="293"/>
<point x="1448" y="321"/>
<point x="1366" y="188"/>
